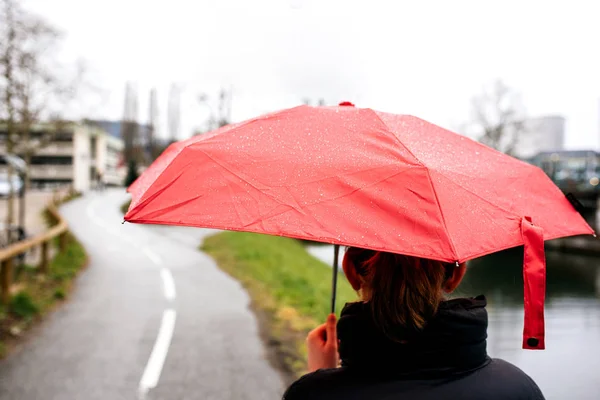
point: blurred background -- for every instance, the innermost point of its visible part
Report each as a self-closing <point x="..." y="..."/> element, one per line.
<point x="91" y="92"/>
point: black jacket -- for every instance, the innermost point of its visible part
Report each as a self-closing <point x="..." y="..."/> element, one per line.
<point x="447" y="360"/>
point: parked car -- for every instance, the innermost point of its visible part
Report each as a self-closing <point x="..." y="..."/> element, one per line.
<point x="17" y="185"/>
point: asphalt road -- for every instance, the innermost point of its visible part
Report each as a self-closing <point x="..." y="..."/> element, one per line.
<point x="151" y="318"/>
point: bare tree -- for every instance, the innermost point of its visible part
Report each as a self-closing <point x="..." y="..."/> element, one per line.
<point x="499" y="118"/>
<point x="308" y="102"/>
<point x="221" y="114"/>
<point x="30" y="83"/>
<point x="224" y="108"/>
<point x="8" y="46"/>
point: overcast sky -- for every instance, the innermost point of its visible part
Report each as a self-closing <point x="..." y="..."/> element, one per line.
<point x="426" y="58"/>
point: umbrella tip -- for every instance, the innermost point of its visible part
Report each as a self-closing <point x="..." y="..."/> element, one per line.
<point x="346" y="103"/>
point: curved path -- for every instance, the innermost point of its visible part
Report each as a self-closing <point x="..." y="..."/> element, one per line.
<point x="151" y="318"/>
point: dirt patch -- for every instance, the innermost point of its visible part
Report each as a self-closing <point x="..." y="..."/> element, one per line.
<point x="280" y="350"/>
<point x="290" y="291"/>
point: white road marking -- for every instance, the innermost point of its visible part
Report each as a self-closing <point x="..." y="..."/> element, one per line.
<point x="168" y="284"/>
<point x="159" y="354"/>
<point x="163" y="340"/>
<point x="113" y="231"/>
<point x="152" y="256"/>
<point x="183" y="238"/>
<point x="95" y="219"/>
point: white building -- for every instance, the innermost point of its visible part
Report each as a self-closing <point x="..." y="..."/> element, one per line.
<point x="541" y="134"/>
<point x="106" y="157"/>
<point x="75" y="156"/>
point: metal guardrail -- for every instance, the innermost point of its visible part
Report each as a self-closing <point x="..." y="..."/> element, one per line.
<point x="8" y="254"/>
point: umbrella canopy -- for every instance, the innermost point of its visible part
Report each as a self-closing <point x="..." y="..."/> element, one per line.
<point x="359" y="177"/>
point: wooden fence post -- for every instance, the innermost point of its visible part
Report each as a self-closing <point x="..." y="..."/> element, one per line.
<point x="6" y="279"/>
<point x="44" y="264"/>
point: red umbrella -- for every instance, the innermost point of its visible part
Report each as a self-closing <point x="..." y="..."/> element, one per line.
<point x="364" y="178"/>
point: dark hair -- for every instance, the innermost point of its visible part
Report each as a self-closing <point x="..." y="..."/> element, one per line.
<point x="401" y="290"/>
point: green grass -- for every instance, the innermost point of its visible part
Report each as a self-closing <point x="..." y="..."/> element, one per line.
<point x="125" y="207"/>
<point x="23" y="306"/>
<point x="289" y="286"/>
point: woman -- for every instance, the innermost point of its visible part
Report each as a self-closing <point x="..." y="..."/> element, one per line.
<point x="403" y="340"/>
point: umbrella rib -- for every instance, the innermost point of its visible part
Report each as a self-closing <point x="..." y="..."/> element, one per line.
<point x="437" y="200"/>
<point x="222" y="165"/>
<point x="341" y="196"/>
<point x="479" y="196"/>
<point x="154" y="195"/>
<point x="301" y="210"/>
<point x="406" y="169"/>
<point x="231" y="192"/>
<point x="398" y="139"/>
<point x="337" y="176"/>
<point x="430" y="182"/>
<point x="200" y="139"/>
<point x="161" y="211"/>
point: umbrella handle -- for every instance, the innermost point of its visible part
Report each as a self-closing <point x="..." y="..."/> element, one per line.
<point x="336" y="254"/>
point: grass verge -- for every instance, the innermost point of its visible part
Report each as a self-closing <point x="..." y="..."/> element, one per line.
<point x="125" y="207"/>
<point x="38" y="294"/>
<point x="290" y="290"/>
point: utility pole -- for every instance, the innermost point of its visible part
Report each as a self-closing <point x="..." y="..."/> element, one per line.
<point x="152" y="117"/>
<point x="129" y="126"/>
<point x="174" y="112"/>
<point x="224" y="108"/>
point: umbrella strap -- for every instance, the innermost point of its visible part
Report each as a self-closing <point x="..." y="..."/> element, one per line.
<point x="534" y="281"/>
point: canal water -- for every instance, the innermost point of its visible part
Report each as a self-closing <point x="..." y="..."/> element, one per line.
<point x="569" y="368"/>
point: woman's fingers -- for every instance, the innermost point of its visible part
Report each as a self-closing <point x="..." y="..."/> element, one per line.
<point x="318" y="334"/>
<point x="322" y="345"/>
<point x="331" y="329"/>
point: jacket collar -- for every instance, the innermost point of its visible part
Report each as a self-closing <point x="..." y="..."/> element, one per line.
<point x="453" y="341"/>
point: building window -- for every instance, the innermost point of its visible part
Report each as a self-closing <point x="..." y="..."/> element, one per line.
<point x="52" y="160"/>
<point x="94" y="146"/>
<point x="63" y="137"/>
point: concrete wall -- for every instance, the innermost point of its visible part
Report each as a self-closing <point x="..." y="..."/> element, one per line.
<point x="114" y="172"/>
<point x="81" y="159"/>
<point x="101" y="152"/>
<point x="106" y="158"/>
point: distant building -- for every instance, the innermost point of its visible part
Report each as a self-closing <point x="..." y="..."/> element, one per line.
<point x="140" y="144"/>
<point x="77" y="155"/>
<point x="542" y="134"/>
<point x="575" y="165"/>
<point x="573" y="171"/>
